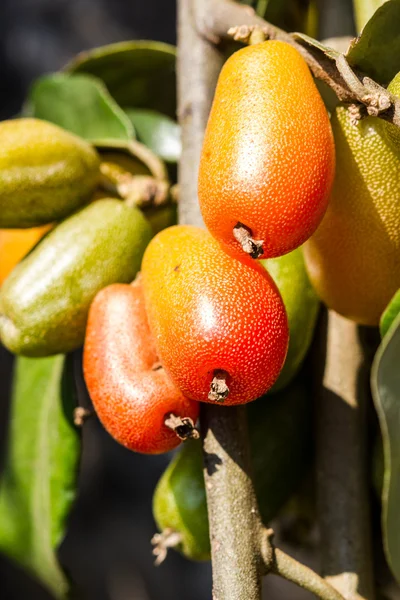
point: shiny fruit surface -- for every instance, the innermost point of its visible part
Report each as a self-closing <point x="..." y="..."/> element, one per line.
<point x="45" y="301"/>
<point x="46" y="173"/>
<point x="268" y="156"/>
<point x="210" y="312"/>
<point x="131" y="394"/>
<point x="353" y="259"/>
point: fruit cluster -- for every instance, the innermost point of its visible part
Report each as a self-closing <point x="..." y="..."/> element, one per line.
<point x="205" y="321"/>
<point x="208" y="317"/>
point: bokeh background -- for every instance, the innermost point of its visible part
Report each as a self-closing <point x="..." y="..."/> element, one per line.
<point x="107" y="549"/>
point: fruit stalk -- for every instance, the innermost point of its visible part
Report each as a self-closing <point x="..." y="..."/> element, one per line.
<point x="219" y="19"/>
<point x="342" y="386"/>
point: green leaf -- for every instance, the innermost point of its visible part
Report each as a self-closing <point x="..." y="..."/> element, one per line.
<point x="391" y="312"/>
<point x="376" y="51"/>
<point x="158" y="132"/>
<point x="81" y="104"/>
<point x="39" y="482"/>
<point x="140" y="74"/>
<point x="385" y="384"/>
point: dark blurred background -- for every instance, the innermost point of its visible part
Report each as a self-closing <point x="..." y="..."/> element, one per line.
<point x="107" y="549"/>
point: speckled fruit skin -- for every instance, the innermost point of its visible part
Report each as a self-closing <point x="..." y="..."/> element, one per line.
<point x="208" y="310"/>
<point x="268" y="157"/>
<point x="45" y="172"/>
<point x="44" y="302"/>
<point x="131" y="399"/>
<point x="353" y="259"/>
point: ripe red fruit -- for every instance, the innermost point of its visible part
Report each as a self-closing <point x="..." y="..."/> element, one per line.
<point x="268" y="157"/>
<point x="131" y="394"/>
<point x="210" y="313"/>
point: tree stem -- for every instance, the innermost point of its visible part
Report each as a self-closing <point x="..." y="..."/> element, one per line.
<point x="342" y="388"/>
<point x="235" y="524"/>
<point x="199" y="64"/>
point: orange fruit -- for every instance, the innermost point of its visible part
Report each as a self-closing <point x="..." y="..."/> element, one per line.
<point x="353" y="259"/>
<point x="268" y="156"/>
<point x="15" y="244"/>
<point x="211" y="313"/>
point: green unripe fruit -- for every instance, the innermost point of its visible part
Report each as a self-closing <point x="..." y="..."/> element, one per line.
<point x="45" y="300"/>
<point x="280" y="428"/>
<point x="302" y="305"/>
<point x="180" y="503"/>
<point x="45" y="173"/>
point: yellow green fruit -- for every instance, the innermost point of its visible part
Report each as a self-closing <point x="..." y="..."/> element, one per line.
<point x="353" y="259"/>
<point x="45" y="300"/>
<point x="45" y="173"/>
<point x="301" y="303"/>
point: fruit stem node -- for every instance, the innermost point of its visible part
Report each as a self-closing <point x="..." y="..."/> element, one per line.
<point x="182" y="426"/>
<point x="242" y="234"/>
<point x="219" y="388"/>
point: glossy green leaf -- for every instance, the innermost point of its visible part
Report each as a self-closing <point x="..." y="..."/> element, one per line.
<point x="391" y="312"/>
<point x="158" y="132"/>
<point x="38" y="485"/>
<point x="385" y="384"/>
<point x="140" y="74"/>
<point x="81" y="104"/>
<point x="364" y="10"/>
<point x="376" y="51"/>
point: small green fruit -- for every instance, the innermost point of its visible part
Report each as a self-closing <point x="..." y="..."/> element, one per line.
<point x="302" y="305"/>
<point x="281" y="444"/>
<point x="45" y="300"/>
<point x="180" y="503"/>
<point x="45" y="173"/>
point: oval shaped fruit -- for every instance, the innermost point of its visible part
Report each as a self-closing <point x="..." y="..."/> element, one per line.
<point x="302" y="305"/>
<point x="268" y="157"/>
<point x="132" y="396"/>
<point x="45" y="172"/>
<point x="15" y="244"/>
<point x="180" y="504"/>
<point x="45" y="301"/>
<point x="213" y="316"/>
<point x="353" y="259"/>
<point x="281" y="441"/>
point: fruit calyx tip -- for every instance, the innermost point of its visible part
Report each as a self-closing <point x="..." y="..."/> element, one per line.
<point x="182" y="426"/>
<point x="219" y="389"/>
<point x="242" y="234"/>
<point x="168" y="538"/>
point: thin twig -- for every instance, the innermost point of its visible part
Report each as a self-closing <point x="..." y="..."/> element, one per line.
<point x="287" y="567"/>
<point x="214" y="18"/>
